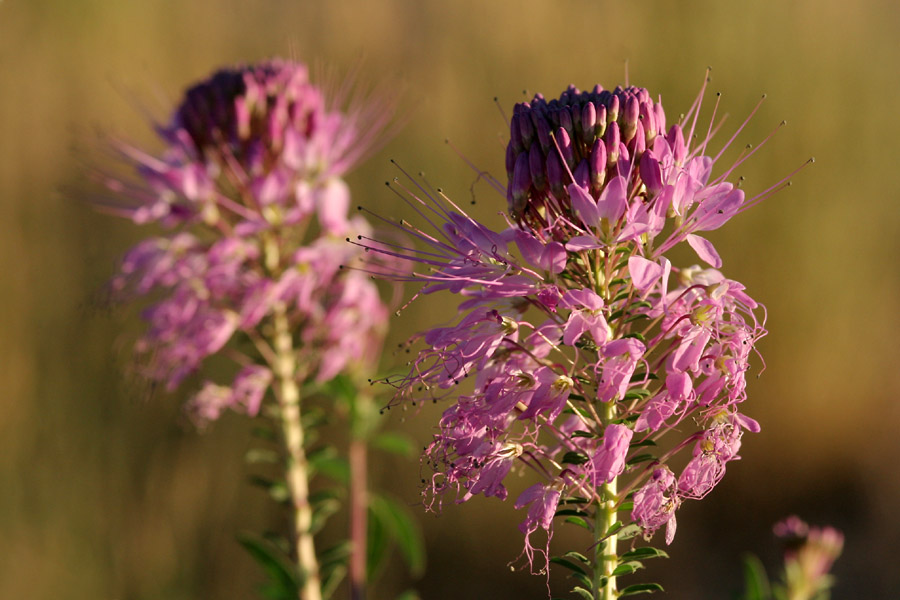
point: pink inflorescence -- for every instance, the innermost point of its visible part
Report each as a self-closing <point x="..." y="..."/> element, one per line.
<point x="585" y="343"/>
<point x="248" y="194"/>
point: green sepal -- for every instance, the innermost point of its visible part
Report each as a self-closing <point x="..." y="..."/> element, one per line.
<point x="756" y="581"/>
<point x="583" y="592"/>
<point x="283" y="581"/>
<point x="627" y="568"/>
<point x="575" y="458"/>
<point x="641" y="588"/>
<point x="585" y="434"/>
<point x="644" y="553"/>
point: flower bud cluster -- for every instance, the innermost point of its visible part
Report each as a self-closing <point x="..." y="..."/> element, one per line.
<point x="254" y="214"/>
<point x="585" y="346"/>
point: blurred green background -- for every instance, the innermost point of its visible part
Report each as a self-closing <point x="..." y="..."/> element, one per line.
<point x="106" y="492"/>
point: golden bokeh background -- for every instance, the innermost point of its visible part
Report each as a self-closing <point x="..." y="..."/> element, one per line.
<point x="107" y="493"/>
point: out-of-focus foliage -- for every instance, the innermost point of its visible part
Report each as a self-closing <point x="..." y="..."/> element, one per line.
<point x="108" y="493"/>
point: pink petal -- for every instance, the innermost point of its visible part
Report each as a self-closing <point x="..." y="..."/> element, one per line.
<point x="705" y="250"/>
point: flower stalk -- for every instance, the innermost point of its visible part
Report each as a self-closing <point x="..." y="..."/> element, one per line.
<point x="297" y="467"/>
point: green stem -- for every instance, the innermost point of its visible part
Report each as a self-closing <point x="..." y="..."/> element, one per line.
<point x="288" y="395"/>
<point x="606" y="557"/>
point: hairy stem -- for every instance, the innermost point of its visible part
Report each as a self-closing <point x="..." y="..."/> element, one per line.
<point x="288" y="395"/>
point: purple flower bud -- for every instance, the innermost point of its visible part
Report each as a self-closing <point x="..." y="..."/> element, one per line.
<point x="527" y="130"/>
<point x="510" y="160"/>
<point x="588" y="122"/>
<point x="676" y="142"/>
<point x="556" y="175"/>
<point x="565" y="121"/>
<point x="651" y="174"/>
<point x="582" y="174"/>
<point x="543" y="134"/>
<point x="598" y="165"/>
<point x="521" y="181"/>
<point x="612" y="110"/>
<point x="600" y="127"/>
<point x="648" y="119"/>
<point x="612" y="143"/>
<point x="515" y="133"/>
<point x="564" y="141"/>
<point x="536" y="166"/>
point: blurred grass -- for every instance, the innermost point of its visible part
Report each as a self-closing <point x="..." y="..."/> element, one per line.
<point x="107" y="494"/>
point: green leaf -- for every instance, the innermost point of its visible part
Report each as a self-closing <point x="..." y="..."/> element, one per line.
<point x="325" y="504"/>
<point x="638" y="444"/>
<point x="403" y="529"/>
<point x="643" y="553"/>
<point x="628" y="532"/>
<point x="255" y="456"/>
<point x="636" y="394"/>
<point x="558" y="560"/>
<point x="578" y="556"/>
<point x="394" y="443"/>
<point x="331" y="579"/>
<point x="583" y="593"/>
<point x="325" y="460"/>
<point x="636" y="335"/>
<point x="640" y="458"/>
<point x="264" y="433"/>
<point x="578" y="521"/>
<point x="409" y="595"/>
<point x="335" y="554"/>
<point x="283" y="580"/>
<point x="584" y="434"/>
<point x="582" y="579"/>
<point x="756" y="582"/>
<point x="641" y="588"/>
<point x="276" y="489"/>
<point x="625" y="506"/>
<point x="377" y="545"/>
<point x="566" y="512"/>
<point x="613" y="529"/>
<point x="575" y="458"/>
<point x="627" y="568"/>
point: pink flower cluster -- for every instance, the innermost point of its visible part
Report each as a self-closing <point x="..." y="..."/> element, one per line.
<point x="254" y="214"/>
<point x="585" y="344"/>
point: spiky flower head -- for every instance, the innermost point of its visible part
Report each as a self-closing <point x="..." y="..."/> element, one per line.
<point x="587" y="346"/>
<point x="254" y="213"/>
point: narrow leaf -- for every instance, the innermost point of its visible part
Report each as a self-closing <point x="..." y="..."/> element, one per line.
<point x="403" y="530"/>
<point x="578" y="521"/>
<point x="756" y="582"/>
<point x="558" y="560"/>
<point x="583" y="593"/>
<point x="641" y="588"/>
<point x="627" y="568"/>
<point x="644" y="553"/>
<point x="283" y="579"/>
